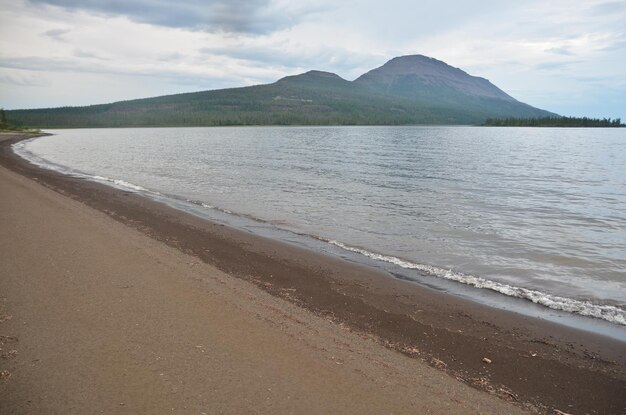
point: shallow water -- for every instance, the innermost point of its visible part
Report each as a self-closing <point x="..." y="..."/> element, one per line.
<point x="533" y="213"/>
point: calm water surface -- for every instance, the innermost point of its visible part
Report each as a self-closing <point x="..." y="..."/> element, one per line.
<point x="532" y="213"/>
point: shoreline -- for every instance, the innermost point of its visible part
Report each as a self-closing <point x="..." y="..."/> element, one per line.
<point x="535" y="363"/>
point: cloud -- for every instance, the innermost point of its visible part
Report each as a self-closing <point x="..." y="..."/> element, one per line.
<point x="20" y="79"/>
<point x="608" y="8"/>
<point x="169" y="57"/>
<point x="555" y="65"/>
<point x="618" y="45"/>
<point x="79" y="53"/>
<point x="228" y="16"/>
<point x="68" y="65"/>
<point x="41" y="64"/>
<point x="561" y="51"/>
<point x="292" y="58"/>
<point x="603" y="79"/>
<point x="56" y="34"/>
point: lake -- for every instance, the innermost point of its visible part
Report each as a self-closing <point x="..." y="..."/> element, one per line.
<point x="538" y="214"/>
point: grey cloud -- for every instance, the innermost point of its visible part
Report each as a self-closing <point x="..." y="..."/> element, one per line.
<point x="79" y="53"/>
<point x="56" y="34"/>
<point x="23" y="80"/>
<point x="231" y="16"/>
<point x="169" y="57"/>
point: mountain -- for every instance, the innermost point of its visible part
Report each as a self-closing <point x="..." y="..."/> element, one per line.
<point x="418" y="76"/>
<point x="406" y="90"/>
<point x="432" y="82"/>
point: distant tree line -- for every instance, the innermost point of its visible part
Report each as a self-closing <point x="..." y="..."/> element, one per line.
<point x="5" y="125"/>
<point x="554" y="122"/>
<point x="3" y="120"/>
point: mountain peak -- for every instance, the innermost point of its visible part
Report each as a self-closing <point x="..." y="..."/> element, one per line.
<point x="422" y="65"/>
<point x="418" y="74"/>
<point x="312" y="76"/>
<point x="323" y="74"/>
<point x="415" y="58"/>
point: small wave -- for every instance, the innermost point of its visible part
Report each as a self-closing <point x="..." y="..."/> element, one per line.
<point x="585" y="308"/>
<point x="207" y="206"/>
<point x="200" y="203"/>
<point x="118" y="182"/>
<point x="20" y="149"/>
<point x="129" y="185"/>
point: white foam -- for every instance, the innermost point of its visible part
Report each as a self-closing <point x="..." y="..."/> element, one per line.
<point x="120" y="183"/>
<point x="20" y="149"/>
<point x="585" y="308"/>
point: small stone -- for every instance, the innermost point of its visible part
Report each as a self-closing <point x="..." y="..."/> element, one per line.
<point x="486" y="360"/>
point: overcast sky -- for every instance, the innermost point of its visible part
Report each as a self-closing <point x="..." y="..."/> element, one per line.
<point x="565" y="56"/>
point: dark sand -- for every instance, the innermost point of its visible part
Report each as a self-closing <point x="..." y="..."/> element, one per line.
<point x="85" y="291"/>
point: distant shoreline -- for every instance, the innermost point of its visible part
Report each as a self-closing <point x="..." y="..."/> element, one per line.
<point x="27" y="131"/>
<point x="534" y="362"/>
<point x="558" y="122"/>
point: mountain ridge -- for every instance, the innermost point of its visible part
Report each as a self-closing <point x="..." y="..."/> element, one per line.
<point x="412" y="89"/>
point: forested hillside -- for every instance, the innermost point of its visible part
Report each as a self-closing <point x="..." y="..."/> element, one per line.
<point x="415" y="95"/>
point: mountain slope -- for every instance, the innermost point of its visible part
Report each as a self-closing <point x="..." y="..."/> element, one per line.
<point x="406" y="90"/>
<point x="435" y="83"/>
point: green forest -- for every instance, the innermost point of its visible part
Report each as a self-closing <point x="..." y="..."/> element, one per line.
<point x="554" y="122"/>
<point x="4" y="124"/>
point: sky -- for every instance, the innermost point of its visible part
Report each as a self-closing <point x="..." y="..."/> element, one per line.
<point x="566" y="56"/>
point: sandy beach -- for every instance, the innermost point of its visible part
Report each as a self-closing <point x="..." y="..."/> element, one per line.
<point x="113" y="303"/>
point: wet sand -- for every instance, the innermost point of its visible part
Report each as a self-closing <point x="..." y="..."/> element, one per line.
<point x="115" y="302"/>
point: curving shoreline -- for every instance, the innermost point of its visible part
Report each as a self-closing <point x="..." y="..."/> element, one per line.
<point x="535" y="362"/>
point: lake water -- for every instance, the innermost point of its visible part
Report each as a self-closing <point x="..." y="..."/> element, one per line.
<point x="538" y="214"/>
